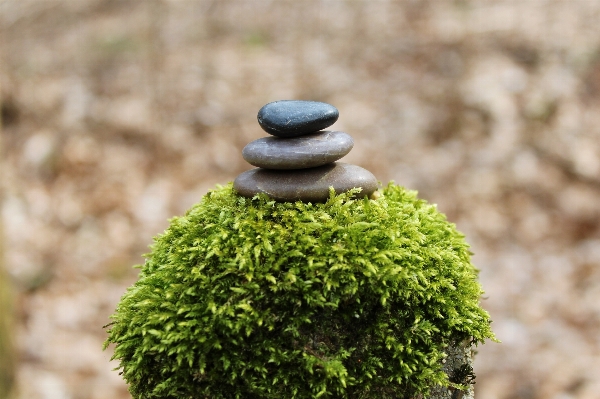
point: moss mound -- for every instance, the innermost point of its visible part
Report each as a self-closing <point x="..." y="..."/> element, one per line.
<point x="249" y="299"/>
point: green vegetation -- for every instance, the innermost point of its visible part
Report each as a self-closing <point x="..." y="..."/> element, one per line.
<point x="7" y="352"/>
<point x="250" y="299"/>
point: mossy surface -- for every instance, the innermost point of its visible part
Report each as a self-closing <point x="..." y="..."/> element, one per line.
<point x="250" y="298"/>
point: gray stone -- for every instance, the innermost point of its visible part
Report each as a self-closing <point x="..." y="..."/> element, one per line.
<point x="307" y="151"/>
<point x="307" y="185"/>
<point x="458" y="365"/>
<point x="291" y="118"/>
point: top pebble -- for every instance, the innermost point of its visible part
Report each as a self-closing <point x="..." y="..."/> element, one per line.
<point x="292" y="118"/>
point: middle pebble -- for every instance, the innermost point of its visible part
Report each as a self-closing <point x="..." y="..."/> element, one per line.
<point x="302" y="152"/>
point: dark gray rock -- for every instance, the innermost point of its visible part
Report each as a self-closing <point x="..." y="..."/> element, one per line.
<point x="307" y="151"/>
<point x="307" y="185"/>
<point x="291" y="118"/>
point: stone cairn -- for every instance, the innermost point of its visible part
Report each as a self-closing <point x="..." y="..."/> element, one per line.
<point x="299" y="162"/>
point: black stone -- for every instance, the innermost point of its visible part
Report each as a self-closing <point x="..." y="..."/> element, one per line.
<point x="307" y="185"/>
<point x="291" y="118"/>
<point x="307" y="151"/>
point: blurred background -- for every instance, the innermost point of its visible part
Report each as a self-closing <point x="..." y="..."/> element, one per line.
<point x="117" y="115"/>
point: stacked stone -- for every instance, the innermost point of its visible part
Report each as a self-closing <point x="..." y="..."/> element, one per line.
<point x="299" y="162"/>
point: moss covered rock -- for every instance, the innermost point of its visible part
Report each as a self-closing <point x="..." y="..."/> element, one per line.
<point x="250" y="298"/>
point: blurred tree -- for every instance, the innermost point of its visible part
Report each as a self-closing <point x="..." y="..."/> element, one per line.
<point x="7" y="358"/>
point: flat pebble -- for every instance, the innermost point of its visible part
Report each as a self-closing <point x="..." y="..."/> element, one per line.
<point x="307" y="185"/>
<point x="291" y="118"/>
<point x="307" y="151"/>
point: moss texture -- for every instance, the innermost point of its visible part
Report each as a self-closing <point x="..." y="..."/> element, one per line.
<point x="248" y="299"/>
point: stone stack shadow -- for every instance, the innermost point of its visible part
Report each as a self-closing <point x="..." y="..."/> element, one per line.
<point x="298" y="163"/>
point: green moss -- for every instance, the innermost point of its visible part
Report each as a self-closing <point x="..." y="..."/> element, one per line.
<point x="249" y="299"/>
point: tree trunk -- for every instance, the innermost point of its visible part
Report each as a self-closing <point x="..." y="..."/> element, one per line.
<point x="7" y="355"/>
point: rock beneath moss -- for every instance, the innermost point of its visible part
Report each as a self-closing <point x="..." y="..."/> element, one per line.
<point x="247" y="292"/>
<point x="459" y="368"/>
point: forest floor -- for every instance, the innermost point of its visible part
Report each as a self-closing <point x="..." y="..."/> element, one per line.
<point x="118" y="115"/>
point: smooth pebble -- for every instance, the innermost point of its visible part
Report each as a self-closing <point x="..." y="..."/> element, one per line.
<point x="307" y="151"/>
<point x="292" y="118"/>
<point x="307" y="185"/>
